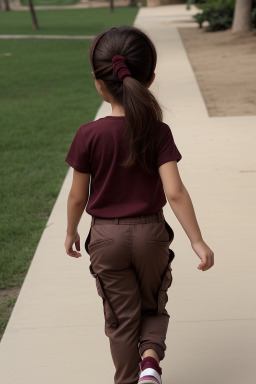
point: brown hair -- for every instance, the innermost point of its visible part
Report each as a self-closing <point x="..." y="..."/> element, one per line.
<point x="142" y="111"/>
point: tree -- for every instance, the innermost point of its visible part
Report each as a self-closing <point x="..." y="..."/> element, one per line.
<point x="242" y="21"/>
<point x="33" y="14"/>
<point x="111" y="5"/>
<point x="7" y="6"/>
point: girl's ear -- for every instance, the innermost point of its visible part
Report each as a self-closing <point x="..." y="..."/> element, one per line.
<point x="101" y="89"/>
<point x="151" y="80"/>
<point x="100" y="83"/>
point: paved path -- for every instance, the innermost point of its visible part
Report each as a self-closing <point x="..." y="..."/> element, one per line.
<point x="80" y="5"/>
<point x="56" y="332"/>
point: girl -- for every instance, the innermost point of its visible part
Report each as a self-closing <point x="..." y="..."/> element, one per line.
<point x="131" y="159"/>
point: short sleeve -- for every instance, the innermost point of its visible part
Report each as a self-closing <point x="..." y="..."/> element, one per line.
<point x="78" y="154"/>
<point x="167" y="150"/>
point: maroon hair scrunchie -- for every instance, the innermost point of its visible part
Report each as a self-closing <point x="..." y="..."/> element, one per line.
<point x="119" y="67"/>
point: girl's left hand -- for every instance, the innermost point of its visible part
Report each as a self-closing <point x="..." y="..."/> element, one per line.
<point x="70" y="240"/>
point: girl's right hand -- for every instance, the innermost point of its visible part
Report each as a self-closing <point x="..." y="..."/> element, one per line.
<point x="205" y="254"/>
<point x="70" y="240"/>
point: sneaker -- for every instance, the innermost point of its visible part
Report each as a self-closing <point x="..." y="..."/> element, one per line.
<point x="150" y="372"/>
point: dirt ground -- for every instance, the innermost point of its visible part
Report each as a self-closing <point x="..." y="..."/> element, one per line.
<point x="11" y="292"/>
<point x="7" y="300"/>
<point x="225" y="68"/>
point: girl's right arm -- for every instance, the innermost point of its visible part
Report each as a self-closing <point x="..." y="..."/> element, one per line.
<point x="181" y="204"/>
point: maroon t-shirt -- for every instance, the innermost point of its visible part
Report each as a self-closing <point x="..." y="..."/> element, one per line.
<point x="98" y="148"/>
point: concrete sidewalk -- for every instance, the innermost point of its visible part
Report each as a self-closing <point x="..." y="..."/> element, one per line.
<point x="16" y="6"/>
<point x="52" y="336"/>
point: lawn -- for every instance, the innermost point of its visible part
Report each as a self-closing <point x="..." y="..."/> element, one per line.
<point x="47" y="92"/>
<point x="88" y="21"/>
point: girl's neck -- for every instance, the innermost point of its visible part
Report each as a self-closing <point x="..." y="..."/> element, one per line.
<point x="117" y="110"/>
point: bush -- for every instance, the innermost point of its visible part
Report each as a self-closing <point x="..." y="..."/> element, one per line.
<point x="219" y="14"/>
<point x="200" y="18"/>
<point x="216" y="4"/>
<point x="219" y="19"/>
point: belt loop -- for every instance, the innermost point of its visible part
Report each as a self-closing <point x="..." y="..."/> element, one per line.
<point x="93" y="221"/>
<point x="116" y="220"/>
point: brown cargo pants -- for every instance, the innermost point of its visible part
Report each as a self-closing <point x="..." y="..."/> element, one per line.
<point x="131" y="263"/>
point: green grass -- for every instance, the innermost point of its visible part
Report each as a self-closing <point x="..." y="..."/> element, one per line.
<point x="47" y="92"/>
<point x="89" y="21"/>
<point x="50" y="2"/>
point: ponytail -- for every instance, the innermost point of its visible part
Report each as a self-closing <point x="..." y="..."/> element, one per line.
<point x="143" y="114"/>
<point x="125" y="59"/>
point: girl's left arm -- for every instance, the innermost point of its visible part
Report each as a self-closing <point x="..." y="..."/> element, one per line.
<point x="77" y="200"/>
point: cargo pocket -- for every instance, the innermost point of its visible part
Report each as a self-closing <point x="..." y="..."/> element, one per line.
<point x="165" y="284"/>
<point x="108" y="312"/>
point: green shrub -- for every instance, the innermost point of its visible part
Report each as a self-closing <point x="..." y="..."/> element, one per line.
<point x="219" y="19"/>
<point x="219" y="14"/>
<point x="200" y="18"/>
<point x="216" y="4"/>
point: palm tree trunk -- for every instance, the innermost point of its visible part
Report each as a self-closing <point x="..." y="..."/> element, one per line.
<point x="242" y="21"/>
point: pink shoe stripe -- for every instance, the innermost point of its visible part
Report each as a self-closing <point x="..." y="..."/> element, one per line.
<point x="147" y="378"/>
